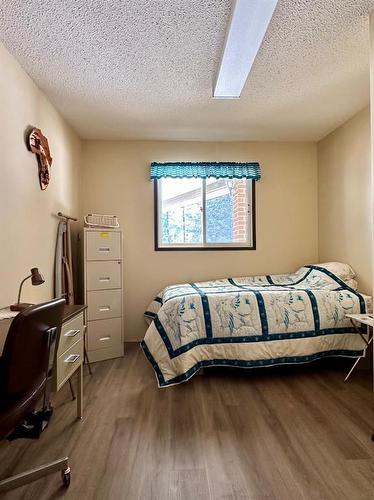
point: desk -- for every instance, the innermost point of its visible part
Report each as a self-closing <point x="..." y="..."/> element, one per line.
<point x="70" y="349"/>
<point x="368" y="321"/>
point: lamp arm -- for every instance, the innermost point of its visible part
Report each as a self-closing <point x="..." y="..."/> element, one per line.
<point x="20" y="288"/>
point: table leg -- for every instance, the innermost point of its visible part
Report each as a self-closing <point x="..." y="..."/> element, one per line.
<point x="353" y="367"/>
<point x="86" y="360"/>
<point x="71" y="389"/>
<point x="80" y="392"/>
<point x="367" y="342"/>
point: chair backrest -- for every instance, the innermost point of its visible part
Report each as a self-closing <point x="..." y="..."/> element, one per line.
<point x="27" y="347"/>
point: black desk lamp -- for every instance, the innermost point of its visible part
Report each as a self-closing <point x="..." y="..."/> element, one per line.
<point x="36" y="279"/>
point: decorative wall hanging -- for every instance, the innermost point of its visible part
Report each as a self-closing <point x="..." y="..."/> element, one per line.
<point x="38" y="144"/>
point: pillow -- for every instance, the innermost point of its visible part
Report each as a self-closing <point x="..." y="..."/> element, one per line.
<point x="351" y="283"/>
<point x="342" y="271"/>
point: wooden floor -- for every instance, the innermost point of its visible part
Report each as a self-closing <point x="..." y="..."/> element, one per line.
<point x="299" y="434"/>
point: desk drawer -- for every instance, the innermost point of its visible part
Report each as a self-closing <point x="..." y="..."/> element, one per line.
<point x="68" y="362"/>
<point x="103" y="245"/>
<point x="104" y="304"/>
<point x="104" y="275"/>
<point x="71" y="331"/>
<point x="104" y="333"/>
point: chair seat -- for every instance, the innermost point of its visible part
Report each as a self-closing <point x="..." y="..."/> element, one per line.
<point x="15" y="410"/>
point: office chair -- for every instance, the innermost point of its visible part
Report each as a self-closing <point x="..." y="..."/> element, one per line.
<point x="26" y="368"/>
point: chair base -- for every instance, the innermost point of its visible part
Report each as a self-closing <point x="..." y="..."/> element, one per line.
<point x="34" y="425"/>
<point x="34" y="474"/>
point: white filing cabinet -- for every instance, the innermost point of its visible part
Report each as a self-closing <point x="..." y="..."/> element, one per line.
<point x="103" y="291"/>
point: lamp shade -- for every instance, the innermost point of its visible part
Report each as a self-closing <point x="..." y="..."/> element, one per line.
<point x="36" y="277"/>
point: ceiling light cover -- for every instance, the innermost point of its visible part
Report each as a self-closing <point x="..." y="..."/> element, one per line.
<point x="249" y="22"/>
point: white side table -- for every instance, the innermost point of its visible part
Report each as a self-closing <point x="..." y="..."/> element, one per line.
<point x="357" y="320"/>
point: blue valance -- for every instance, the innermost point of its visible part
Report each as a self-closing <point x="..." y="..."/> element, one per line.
<point x="232" y="170"/>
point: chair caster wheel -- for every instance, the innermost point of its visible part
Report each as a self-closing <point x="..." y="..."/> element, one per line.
<point x="66" y="476"/>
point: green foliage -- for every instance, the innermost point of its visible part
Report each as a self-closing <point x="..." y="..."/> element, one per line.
<point x="184" y="224"/>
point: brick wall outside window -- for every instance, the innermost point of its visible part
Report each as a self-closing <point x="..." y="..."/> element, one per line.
<point x="240" y="209"/>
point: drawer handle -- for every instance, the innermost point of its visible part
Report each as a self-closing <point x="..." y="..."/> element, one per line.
<point x="72" y="358"/>
<point x="104" y="308"/>
<point x="71" y="333"/>
<point x="104" y="279"/>
<point x="104" y="249"/>
<point x="103" y="339"/>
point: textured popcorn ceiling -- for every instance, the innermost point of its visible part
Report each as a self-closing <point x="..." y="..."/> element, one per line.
<point x="144" y="69"/>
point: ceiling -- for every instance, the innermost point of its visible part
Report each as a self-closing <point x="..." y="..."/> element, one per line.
<point x="144" y="69"/>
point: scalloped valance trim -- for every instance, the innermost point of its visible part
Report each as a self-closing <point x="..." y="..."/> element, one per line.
<point x="231" y="170"/>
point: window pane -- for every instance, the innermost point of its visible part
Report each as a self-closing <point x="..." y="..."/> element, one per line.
<point x="181" y="212"/>
<point x="226" y="210"/>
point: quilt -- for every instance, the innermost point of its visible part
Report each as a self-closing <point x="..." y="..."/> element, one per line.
<point x="254" y="321"/>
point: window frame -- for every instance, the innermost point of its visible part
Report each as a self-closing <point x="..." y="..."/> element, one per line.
<point x="204" y="246"/>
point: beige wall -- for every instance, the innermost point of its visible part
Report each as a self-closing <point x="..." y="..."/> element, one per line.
<point x="371" y="32"/>
<point x="28" y="228"/>
<point x="296" y="195"/>
<point x="344" y="197"/>
<point x="116" y="180"/>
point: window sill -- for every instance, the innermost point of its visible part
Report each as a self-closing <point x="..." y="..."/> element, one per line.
<point x="202" y="249"/>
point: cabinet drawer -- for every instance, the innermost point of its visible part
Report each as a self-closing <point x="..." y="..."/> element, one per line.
<point x="103" y="275"/>
<point x="71" y="331"/>
<point x="68" y="362"/>
<point x="104" y="333"/>
<point x="104" y="304"/>
<point x="103" y="245"/>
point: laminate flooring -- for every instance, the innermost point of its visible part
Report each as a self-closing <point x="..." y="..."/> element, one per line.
<point x="298" y="433"/>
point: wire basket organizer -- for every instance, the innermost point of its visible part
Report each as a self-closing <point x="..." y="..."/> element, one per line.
<point x="98" y="220"/>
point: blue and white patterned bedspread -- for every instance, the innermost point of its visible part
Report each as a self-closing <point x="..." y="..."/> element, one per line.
<point x="253" y="321"/>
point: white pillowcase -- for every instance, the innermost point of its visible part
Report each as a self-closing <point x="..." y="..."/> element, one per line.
<point x="351" y="283"/>
<point x="342" y="271"/>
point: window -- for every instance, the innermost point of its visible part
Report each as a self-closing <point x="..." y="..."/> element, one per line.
<point x="204" y="213"/>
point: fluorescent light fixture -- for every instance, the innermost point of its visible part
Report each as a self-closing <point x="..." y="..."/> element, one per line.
<point x="249" y="22"/>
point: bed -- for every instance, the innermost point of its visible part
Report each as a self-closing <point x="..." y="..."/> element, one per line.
<point x="254" y="321"/>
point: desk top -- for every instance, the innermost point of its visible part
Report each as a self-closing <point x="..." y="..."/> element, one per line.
<point x="366" y="319"/>
<point x="71" y="311"/>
